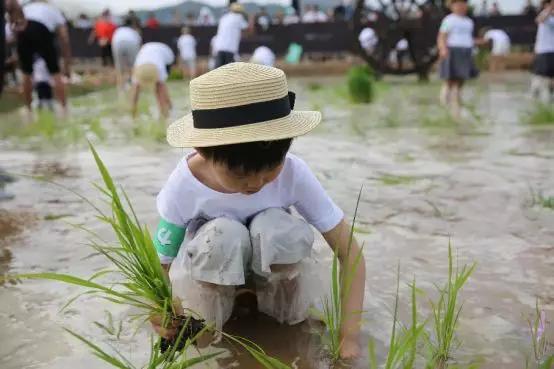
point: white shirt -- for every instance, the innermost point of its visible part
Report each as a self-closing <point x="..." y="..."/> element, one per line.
<point x="501" y="43"/>
<point x="8" y="33"/>
<point x="229" y="32"/>
<point x="40" y="71"/>
<point x="368" y="38"/>
<point x="156" y="53"/>
<point x="184" y="198"/>
<point x="545" y="37"/>
<point x="44" y="13"/>
<point x="402" y="45"/>
<point x="291" y="19"/>
<point x="263" y="55"/>
<point x="459" y="31"/>
<point x="314" y="17"/>
<point x="187" y="47"/>
<point x="126" y="35"/>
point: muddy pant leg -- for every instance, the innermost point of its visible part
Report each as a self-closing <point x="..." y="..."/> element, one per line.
<point x="280" y="243"/>
<point x="209" y="266"/>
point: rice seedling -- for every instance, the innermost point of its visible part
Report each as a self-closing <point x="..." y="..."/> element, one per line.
<point x="403" y="342"/>
<point x="332" y="314"/>
<point x="541" y="115"/>
<point x="159" y="359"/>
<point x="361" y="84"/>
<point x="445" y="315"/>
<point x="537" y="327"/>
<point x="537" y="198"/>
<point x="396" y="180"/>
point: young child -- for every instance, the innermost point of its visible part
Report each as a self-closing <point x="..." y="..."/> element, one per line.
<point x="455" y="45"/>
<point x="543" y="80"/>
<point x="151" y="68"/>
<point x="225" y="208"/>
<point x="187" y="52"/>
<point x="42" y="84"/>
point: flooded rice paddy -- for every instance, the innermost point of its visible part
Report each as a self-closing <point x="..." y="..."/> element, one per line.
<point x="425" y="179"/>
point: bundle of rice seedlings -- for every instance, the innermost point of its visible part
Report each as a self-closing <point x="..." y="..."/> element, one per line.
<point x="361" y="83"/>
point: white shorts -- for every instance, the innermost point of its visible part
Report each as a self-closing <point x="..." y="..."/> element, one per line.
<point x="275" y="251"/>
<point x="124" y="54"/>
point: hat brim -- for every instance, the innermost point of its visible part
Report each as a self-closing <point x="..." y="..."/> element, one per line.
<point x="182" y="133"/>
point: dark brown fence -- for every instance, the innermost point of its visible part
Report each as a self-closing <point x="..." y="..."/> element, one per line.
<point x="322" y="37"/>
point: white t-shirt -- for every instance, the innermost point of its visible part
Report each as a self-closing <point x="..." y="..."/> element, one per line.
<point x="545" y="37"/>
<point x="314" y="17"/>
<point x="263" y="55"/>
<point x="44" y="13"/>
<point x="291" y="19"/>
<point x="187" y="47"/>
<point x="229" y="32"/>
<point x="501" y="43"/>
<point x="368" y="38"/>
<point x="8" y="33"/>
<point x="459" y="30"/>
<point x="402" y="45"/>
<point x="126" y="35"/>
<point x="40" y="71"/>
<point x="184" y="198"/>
<point x="156" y="53"/>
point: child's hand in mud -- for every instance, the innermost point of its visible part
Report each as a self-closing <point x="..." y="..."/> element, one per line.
<point x="350" y="349"/>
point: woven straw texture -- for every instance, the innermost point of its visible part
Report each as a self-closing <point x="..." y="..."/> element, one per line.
<point x="239" y="84"/>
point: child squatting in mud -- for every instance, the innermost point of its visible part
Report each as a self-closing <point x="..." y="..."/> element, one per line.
<point x="224" y="210"/>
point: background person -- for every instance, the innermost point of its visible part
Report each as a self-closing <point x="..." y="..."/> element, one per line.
<point x="103" y="31"/>
<point x="455" y="45"/>
<point x="229" y="32"/>
<point x="126" y="43"/>
<point x="187" y="52"/>
<point x="263" y="55"/>
<point x="151" y="70"/>
<point x="37" y="37"/>
<point x="542" y="84"/>
<point x="368" y="40"/>
<point x="152" y="22"/>
<point x="499" y="43"/>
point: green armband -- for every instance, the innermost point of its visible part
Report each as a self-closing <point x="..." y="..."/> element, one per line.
<point x="168" y="238"/>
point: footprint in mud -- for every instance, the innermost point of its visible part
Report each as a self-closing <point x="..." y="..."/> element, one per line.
<point x="12" y="223"/>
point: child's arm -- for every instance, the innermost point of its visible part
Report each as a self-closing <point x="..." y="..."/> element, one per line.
<point x="339" y="240"/>
<point x="441" y="45"/>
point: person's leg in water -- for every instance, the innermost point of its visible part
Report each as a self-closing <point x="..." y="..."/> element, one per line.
<point x="281" y="243"/>
<point x="444" y="96"/>
<point x="164" y="101"/>
<point x="456" y="98"/>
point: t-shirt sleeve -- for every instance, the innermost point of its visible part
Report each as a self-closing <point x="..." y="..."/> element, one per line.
<point x="446" y="25"/>
<point x="311" y="200"/>
<point x="60" y="19"/>
<point x="243" y="23"/>
<point x="171" y="229"/>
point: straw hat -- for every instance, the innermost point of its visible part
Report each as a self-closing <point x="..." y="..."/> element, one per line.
<point x="238" y="103"/>
<point x="236" y="8"/>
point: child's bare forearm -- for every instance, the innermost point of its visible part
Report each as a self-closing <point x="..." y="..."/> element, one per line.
<point x="351" y="261"/>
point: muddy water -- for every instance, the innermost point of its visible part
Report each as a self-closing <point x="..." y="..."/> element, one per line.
<point x="425" y="180"/>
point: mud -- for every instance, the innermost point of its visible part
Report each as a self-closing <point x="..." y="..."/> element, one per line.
<point x="426" y="180"/>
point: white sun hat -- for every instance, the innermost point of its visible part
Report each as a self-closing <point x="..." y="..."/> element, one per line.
<point x="238" y="103"/>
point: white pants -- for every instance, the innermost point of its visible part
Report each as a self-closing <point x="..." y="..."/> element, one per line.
<point x="219" y="255"/>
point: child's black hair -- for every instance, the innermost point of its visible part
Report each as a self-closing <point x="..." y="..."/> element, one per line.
<point x="248" y="158"/>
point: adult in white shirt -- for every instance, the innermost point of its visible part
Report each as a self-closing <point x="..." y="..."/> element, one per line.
<point x="263" y="55"/>
<point x="499" y="42"/>
<point x="368" y="40"/>
<point x="126" y="43"/>
<point x="187" y="52"/>
<point x="314" y="15"/>
<point x="151" y="69"/>
<point x="37" y="36"/>
<point x="543" y="69"/>
<point x="229" y="33"/>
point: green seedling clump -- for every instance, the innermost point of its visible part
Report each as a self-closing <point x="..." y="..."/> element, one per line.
<point x="361" y="81"/>
<point x="542" y="115"/>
